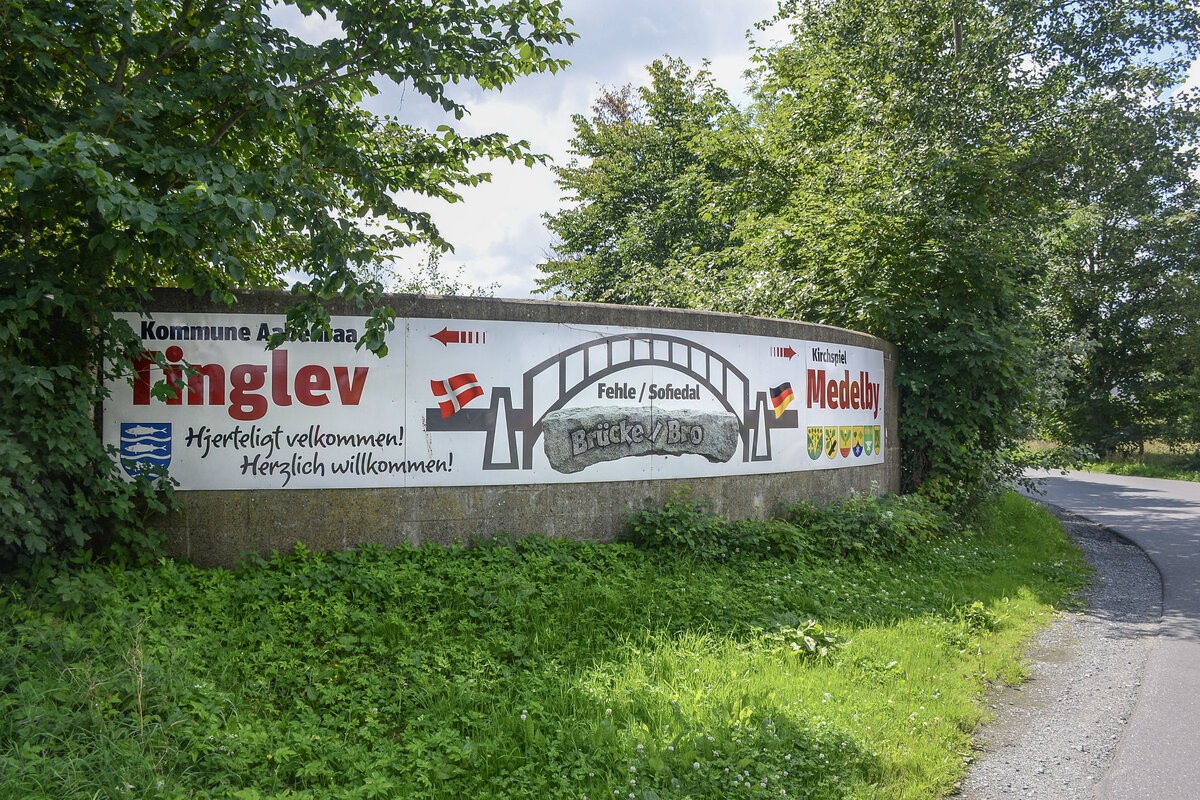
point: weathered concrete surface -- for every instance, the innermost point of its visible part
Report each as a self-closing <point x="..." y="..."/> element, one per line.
<point x="219" y="527"/>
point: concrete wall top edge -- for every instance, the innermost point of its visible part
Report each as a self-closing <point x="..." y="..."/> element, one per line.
<point x="528" y="310"/>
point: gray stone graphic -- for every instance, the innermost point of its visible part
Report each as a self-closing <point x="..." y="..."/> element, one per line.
<point x="576" y="438"/>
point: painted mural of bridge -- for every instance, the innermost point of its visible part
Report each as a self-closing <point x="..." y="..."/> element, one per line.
<point x="513" y="430"/>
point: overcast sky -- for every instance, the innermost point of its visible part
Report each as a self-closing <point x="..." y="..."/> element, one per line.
<point x="498" y="232"/>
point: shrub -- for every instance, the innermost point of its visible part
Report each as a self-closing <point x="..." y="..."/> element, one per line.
<point x="854" y="527"/>
<point x="862" y="524"/>
<point x="685" y="523"/>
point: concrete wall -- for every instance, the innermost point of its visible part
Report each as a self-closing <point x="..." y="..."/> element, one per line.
<point x="219" y="527"/>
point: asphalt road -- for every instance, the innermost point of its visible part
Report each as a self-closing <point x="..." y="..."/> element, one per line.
<point x="1159" y="755"/>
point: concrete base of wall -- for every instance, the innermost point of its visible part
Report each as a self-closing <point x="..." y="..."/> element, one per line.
<point x="220" y="528"/>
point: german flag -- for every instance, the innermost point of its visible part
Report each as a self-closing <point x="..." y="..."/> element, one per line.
<point x="781" y="398"/>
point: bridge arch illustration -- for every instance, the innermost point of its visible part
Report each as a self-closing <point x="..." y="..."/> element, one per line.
<point x="513" y="430"/>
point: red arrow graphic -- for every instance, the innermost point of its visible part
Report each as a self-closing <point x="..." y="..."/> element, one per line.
<point x="783" y="352"/>
<point x="447" y="336"/>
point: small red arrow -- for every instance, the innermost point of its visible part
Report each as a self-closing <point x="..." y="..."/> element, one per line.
<point x="447" y="336"/>
<point x="783" y="352"/>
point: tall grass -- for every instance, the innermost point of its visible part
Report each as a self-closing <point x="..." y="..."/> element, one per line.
<point x="1173" y="469"/>
<point x="790" y="661"/>
<point x="1154" y="460"/>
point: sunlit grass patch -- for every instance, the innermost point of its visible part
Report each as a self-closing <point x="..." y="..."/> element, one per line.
<point x="812" y="658"/>
<point x="1175" y="469"/>
<point x="1156" y="459"/>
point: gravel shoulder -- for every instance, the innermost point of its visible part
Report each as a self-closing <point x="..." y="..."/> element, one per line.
<point x="1053" y="737"/>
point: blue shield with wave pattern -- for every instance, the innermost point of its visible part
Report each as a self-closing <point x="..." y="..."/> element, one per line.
<point x="145" y="445"/>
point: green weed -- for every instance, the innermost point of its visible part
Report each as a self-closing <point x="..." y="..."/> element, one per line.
<point x="1185" y="472"/>
<point x="714" y="660"/>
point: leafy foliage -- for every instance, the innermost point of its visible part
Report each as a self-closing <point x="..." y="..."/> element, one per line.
<point x="810" y="640"/>
<point x="1122" y="296"/>
<point x="856" y="527"/>
<point x="59" y="487"/>
<point x="687" y="525"/>
<point x="146" y="143"/>
<point x="642" y="177"/>
<point x="905" y="170"/>
<point x="1177" y="466"/>
<point x="538" y="668"/>
<point x="430" y="278"/>
<point x="864" y="526"/>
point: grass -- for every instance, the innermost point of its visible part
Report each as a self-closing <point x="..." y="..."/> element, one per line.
<point x="1151" y="464"/>
<point x="1141" y="470"/>
<point x="1157" y="460"/>
<point x="795" y="663"/>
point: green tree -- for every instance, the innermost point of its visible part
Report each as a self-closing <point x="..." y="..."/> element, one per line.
<point x="643" y="187"/>
<point x="430" y="278"/>
<point x="195" y="143"/>
<point x="897" y="168"/>
<point x="1120" y="294"/>
<point x="1175" y="326"/>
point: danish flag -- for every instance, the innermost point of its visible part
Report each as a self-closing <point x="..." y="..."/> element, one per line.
<point x="454" y="393"/>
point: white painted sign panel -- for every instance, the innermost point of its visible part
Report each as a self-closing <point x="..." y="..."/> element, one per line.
<point x="474" y="402"/>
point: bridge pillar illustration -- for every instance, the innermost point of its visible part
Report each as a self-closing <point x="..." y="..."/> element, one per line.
<point x="760" y="435"/>
<point x="500" y="449"/>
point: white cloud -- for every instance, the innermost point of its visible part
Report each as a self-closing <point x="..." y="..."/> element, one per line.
<point x="497" y="230"/>
<point x="1193" y="76"/>
<point x="312" y="28"/>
